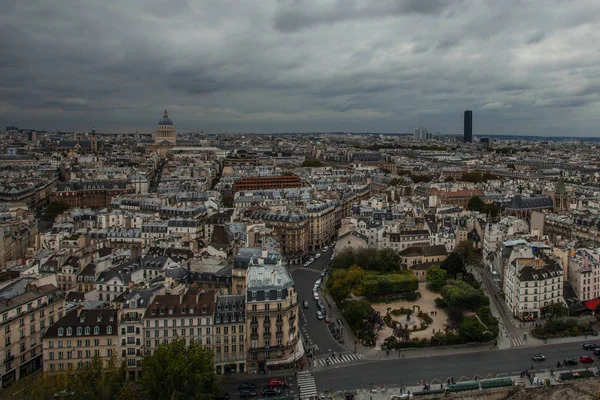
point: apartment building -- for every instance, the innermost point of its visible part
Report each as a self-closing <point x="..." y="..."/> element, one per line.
<point x="531" y="282"/>
<point x="66" y="276"/>
<point x="404" y="239"/>
<point x="268" y="182"/>
<point x="230" y="334"/>
<point x="26" y="312"/>
<point x="584" y="273"/>
<point x="271" y="319"/>
<point x="322" y="223"/>
<point x="293" y="231"/>
<point x="91" y="194"/>
<point x="131" y="328"/>
<point x="187" y="315"/>
<point x="79" y="336"/>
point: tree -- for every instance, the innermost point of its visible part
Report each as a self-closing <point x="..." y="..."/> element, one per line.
<point x="476" y="203"/>
<point x="312" y="162"/>
<point x="386" y="260"/>
<point x="179" y="371"/>
<point x="453" y="265"/>
<point x="557" y="311"/>
<point x="466" y="252"/>
<point x="54" y="209"/>
<point x="436" y="278"/>
<point x="227" y="200"/>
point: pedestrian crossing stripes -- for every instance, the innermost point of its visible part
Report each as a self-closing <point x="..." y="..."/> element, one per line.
<point x="517" y="342"/>
<point x="306" y="385"/>
<point x="338" y="359"/>
<point x="318" y="271"/>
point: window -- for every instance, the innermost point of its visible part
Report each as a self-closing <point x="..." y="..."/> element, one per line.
<point x="109" y="330"/>
<point x="96" y="330"/>
<point x="69" y="331"/>
<point x="61" y="331"/>
<point x="87" y="330"/>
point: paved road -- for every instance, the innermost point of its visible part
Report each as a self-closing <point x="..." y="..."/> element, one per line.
<point x="314" y="330"/>
<point x="412" y="370"/>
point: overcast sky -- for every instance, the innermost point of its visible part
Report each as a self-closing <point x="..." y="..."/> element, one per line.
<point x="528" y="67"/>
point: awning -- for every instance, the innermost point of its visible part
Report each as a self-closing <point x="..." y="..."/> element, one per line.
<point x="592" y="304"/>
<point x="294" y="357"/>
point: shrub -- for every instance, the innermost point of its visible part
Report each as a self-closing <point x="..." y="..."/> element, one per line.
<point x="439" y="302"/>
<point x="425" y="317"/>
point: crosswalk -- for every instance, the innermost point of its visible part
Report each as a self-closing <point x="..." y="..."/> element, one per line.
<point x="338" y="359"/>
<point x="318" y="271"/>
<point x="517" y="342"/>
<point x="306" y="385"/>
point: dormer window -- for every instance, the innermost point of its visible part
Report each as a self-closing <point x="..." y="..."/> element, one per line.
<point x="218" y="319"/>
<point x="69" y="331"/>
<point x="162" y="312"/>
<point x="191" y="310"/>
<point x="218" y="307"/>
<point x="87" y="330"/>
<point x="153" y="312"/>
<point x="132" y="304"/>
<point x="170" y="311"/>
<point x="111" y="318"/>
<point x="109" y="330"/>
<point x="183" y="310"/>
<point x="61" y="331"/>
<point x="99" y="318"/>
<point x="204" y="310"/>
<point x="96" y="330"/>
<point x="79" y="331"/>
<point x="233" y="318"/>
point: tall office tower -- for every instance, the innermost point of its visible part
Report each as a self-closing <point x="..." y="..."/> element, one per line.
<point x="420" y="134"/>
<point x="468" y="134"/>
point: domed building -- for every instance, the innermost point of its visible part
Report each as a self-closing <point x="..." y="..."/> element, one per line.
<point x="166" y="131"/>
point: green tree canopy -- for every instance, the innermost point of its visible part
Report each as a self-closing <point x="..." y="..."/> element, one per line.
<point x="463" y="296"/>
<point x="386" y="260"/>
<point x="312" y="162"/>
<point x="179" y="371"/>
<point x="476" y="203"/>
<point x="436" y="278"/>
<point x="54" y="209"/>
<point x="101" y="380"/>
<point x="453" y="265"/>
<point x="466" y="252"/>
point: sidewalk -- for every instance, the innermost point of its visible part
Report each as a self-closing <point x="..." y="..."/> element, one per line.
<point x="408" y="389"/>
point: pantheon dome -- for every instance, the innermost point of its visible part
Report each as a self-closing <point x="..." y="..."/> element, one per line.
<point x="165" y="132"/>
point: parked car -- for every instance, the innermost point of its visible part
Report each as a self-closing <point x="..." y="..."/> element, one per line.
<point x="325" y="249"/>
<point x="569" y="361"/>
<point x="586" y="359"/>
<point x="306" y="304"/>
<point x="597" y="351"/>
<point x="306" y="264"/>
<point x="311" y="260"/>
<point x="224" y="396"/>
<point x="327" y="319"/>
<point x="276" y="382"/>
<point x="589" y="346"/>
<point x="538" y="357"/>
<point x="318" y="255"/>
<point x="323" y="273"/>
<point x="319" y="315"/>
<point x="272" y="391"/>
<point x="316" y="296"/>
<point x="246" y="386"/>
<point x="246" y="394"/>
<point x="318" y="282"/>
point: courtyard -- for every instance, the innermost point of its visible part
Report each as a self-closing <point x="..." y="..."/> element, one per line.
<point x="426" y="304"/>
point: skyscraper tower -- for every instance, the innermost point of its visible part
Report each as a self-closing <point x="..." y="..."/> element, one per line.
<point x="468" y="132"/>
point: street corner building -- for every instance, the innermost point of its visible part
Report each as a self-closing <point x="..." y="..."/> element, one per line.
<point x="272" y="315"/>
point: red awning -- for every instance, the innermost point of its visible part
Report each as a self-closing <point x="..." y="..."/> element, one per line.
<point x="592" y="304"/>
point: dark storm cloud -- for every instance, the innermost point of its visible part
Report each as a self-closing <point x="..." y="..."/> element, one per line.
<point x="296" y="15"/>
<point x="300" y="65"/>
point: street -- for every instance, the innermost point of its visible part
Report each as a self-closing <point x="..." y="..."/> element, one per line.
<point x="391" y="370"/>
<point x="315" y="331"/>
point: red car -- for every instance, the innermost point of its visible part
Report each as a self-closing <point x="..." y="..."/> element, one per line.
<point x="275" y="382"/>
<point x="586" y="359"/>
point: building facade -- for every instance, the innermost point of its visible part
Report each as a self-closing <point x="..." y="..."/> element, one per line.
<point x="74" y="340"/>
<point x="25" y="317"/>
<point x="268" y="182"/>
<point x="230" y="334"/>
<point x="271" y="319"/>
<point x="468" y="127"/>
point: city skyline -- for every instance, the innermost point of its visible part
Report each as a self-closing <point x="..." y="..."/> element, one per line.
<point x="302" y="66"/>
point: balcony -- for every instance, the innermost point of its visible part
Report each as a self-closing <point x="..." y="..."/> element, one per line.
<point x="254" y="336"/>
<point x="279" y="335"/>
<point x="292" y="317"/>
<point x="254" y="323"/>
<point x="292" y="329"/>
